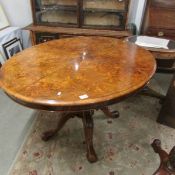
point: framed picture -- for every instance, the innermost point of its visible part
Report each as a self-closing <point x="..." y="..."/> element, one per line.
<point x="11" y="41"/>
<point x="3" y="19"/>
<point x="12" y="47"/>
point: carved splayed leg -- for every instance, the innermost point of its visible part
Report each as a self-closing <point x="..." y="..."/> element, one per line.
<point x="110" y="114"/>
<point x="167" y="165"/>
<point x="62" y="121"/>
<point x="88" y="130"/>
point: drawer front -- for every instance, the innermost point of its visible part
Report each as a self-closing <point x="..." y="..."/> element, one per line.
<point x="44" y="37"/>
<point x="163" y="3"/>
<point x="66" y="36"/>
<point x="163" y="33"/>
<point x="162" y="18"/>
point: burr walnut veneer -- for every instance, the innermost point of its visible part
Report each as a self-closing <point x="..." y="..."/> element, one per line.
<point x="76" y="76"/>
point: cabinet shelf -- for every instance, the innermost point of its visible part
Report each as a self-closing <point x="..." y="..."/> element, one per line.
<point x="104" y="10"/>
<point x="59" y="7"/>
<point x="58" y="2"/>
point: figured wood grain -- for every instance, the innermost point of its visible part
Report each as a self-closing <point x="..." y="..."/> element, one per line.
<point x="76" y="72"/>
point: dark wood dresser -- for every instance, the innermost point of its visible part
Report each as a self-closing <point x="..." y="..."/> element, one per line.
<point x="159" y="19"/>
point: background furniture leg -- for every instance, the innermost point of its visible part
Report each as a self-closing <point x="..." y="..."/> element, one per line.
<point x="167" y="165"/>
<point x="88" y="130"/>
<point x="148" y="91"/>
<point x="110" y="114"/>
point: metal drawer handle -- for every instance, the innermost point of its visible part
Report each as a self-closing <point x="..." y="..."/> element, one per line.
<point x="160" y="33"/>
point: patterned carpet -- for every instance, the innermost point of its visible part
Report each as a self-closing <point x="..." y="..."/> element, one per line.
<point x="122" y="145"/>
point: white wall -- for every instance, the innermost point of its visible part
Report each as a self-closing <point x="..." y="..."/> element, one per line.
<point x="139" y="13"/>
<point x="136" y="12"/>
<point x="19" y="12"/>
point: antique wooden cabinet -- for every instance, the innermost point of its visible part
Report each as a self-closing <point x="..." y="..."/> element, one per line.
<point x="66" y="18"/>
<point x="159" y="19"/>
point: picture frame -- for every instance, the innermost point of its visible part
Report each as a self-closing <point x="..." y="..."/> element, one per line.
<point x="3" y="19"/>
<point x="1" y="59"/>
<point x="10" y="41"/>
<point x="12" y="47"/>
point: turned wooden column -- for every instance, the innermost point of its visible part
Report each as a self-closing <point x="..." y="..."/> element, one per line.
<point x="88" y="124"/>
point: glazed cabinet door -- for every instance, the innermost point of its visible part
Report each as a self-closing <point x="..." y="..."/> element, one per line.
<point x="55" y="12"/>
<point x="105" y="14"/>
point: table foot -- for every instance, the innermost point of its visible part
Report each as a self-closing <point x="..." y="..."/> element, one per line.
<point x="51" y="133"/>
<point x="110" y="114"/>
<point x="167" y="165"/>
<point x="88" y="125"/>
<point x="88" y="130"/>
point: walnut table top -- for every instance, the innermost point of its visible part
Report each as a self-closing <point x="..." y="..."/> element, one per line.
<point x="76" y="73"/>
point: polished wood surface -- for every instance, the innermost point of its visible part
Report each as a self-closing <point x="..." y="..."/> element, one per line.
<point x="76" y="72"/>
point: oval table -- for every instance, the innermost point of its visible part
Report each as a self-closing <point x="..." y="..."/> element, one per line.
<point x="77" y="76"/>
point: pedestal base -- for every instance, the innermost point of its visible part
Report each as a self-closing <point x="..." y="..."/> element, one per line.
<point x="88" y="125"/>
